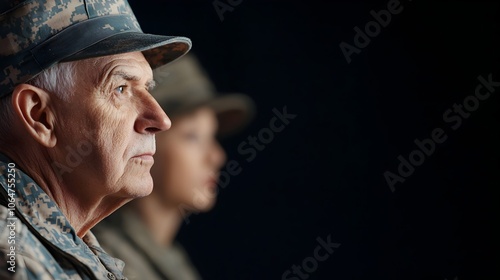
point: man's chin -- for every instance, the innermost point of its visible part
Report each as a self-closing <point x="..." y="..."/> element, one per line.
<point x="139" y="188"/>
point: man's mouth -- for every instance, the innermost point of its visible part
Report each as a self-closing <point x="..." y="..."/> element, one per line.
<point x="145" y="156"/>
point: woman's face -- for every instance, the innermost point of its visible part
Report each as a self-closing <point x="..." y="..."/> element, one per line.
<point x="187" y="162"/>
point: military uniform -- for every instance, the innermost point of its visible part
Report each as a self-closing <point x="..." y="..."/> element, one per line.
<point x="125" y="236"/>
<point x="39" y="241"/>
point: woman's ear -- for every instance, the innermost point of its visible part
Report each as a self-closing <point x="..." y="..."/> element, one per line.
<point x="32" y="106"/>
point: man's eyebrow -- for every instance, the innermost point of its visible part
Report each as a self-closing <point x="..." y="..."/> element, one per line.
<point x="150" y="84"/>
<point x="126" y="76"/>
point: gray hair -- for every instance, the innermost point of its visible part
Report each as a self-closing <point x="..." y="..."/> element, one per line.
<point x="58" y="79"/>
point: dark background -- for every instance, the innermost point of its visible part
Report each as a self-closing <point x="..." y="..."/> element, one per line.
<point x="323" y="175"/>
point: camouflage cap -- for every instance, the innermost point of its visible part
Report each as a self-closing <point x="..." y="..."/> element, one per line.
<point x="36" y="34"/>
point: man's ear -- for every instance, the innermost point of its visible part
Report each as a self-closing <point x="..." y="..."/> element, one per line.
<point x="31" y="104"/>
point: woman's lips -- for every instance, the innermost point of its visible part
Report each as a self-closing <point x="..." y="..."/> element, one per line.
<point x="212" y="183"/>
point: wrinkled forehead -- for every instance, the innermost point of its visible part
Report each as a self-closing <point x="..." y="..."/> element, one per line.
<point x="128" y="65"/>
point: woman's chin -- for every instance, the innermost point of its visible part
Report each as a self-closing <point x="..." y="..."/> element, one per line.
<point x="203" y="204"/>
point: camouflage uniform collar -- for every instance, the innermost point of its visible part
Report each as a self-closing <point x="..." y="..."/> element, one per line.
<point x="45" y="219"/>
<point x="170" y="262"/>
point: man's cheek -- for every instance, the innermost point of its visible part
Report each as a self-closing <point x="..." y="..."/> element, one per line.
<point x="114" y="129"/>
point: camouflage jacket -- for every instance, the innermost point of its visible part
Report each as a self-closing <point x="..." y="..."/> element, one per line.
<point x="36" y="239"/>
<point x="125" y="236"/>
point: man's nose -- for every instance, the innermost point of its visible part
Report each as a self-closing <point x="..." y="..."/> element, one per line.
<point x="152" y="119"/>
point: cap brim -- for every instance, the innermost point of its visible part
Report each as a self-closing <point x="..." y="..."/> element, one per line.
<point x="157" y="49"/>
<point x="234" y="112"/>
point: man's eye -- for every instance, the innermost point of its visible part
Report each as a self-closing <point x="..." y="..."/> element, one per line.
<point x="120" y="89"/>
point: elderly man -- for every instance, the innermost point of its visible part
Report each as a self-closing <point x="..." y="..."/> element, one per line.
<point x="77" y="130"/>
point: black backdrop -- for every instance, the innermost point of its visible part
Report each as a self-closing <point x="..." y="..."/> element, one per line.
<point x="322" y="176"/>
